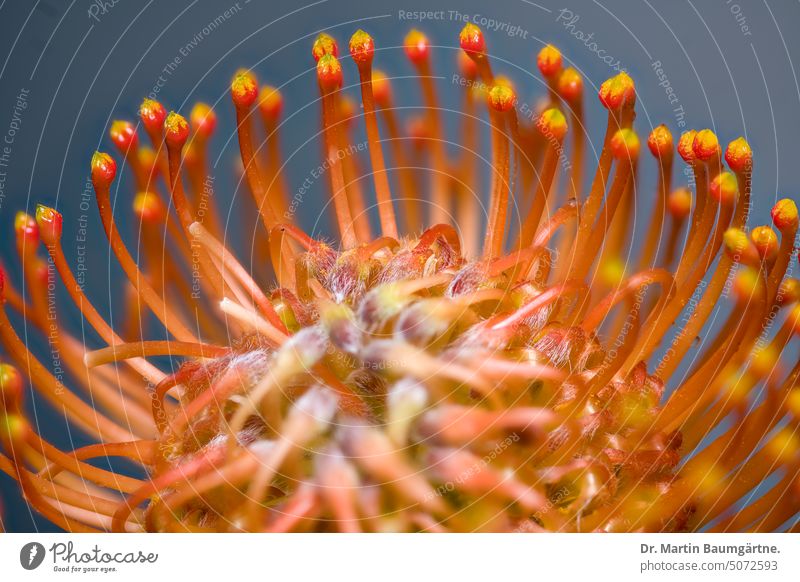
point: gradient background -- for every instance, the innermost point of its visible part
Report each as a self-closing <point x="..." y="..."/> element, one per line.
<point x="81" y="73"/>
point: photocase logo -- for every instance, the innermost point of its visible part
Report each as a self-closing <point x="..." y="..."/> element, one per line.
<point x="31" y="555"/>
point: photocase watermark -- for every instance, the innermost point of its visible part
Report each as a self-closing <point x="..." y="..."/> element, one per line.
<point x="316" y="173"/>
<point x="172" y="66"/>
<point x="568" y="19"/>
<point x="525" y="111"/>
<point x="485" y="22"/>
<point x="195" y="247"/>
<point x="672" y="96"/>
<point x="6" y="148"/>
<point x="738" y="15"/>
<point x="99" y="8"/>
<point x="475" y="468"/>
<point x="553" y="501"/>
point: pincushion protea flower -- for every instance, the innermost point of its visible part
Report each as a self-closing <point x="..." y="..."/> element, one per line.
<point x="426" y="378"/>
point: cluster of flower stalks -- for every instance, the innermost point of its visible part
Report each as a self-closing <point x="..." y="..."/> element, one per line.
<point x="534" y="367"/>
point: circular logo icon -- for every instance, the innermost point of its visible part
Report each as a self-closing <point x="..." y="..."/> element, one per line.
<point x="31" y="555"/>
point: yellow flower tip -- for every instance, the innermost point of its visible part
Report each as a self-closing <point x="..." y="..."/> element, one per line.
<point x="381" y="88"/>
<point x="794" y="319"/>
<point x="176" y="129"/>
<point x="784" y="215"/>
<point x="738" y="155"/>
<point x="123" y="134"/>
<point x="362" y="47"/>
<point x="793" y="403"/>
<point x="705" y="145"/>
<point x="549" y="61"/>
<point x="660" y="142"/>
<point x="763" y="361"/>
<point x="50" y="223"/>
<point x="329" y="73"/>
<point x="471" y="40"/>
<point x="570" y="85"/>
<point x="152" y="115"/>
<point x="679" y="203"/>
<point x="612" y="271"/>
<point x="501" y="97"/>
<point x="12" y="387"/>
<point x="735" y="241"/>
<point x="13" y="427"/>
<point x="104" y="169"/>
<point x="244" y="89"/>
<point x="766" y="242"/>
<point x="270" y="102"/>
<point x="149" y="207"/>
<point x="26" y="228"/>
<point x="467" y="66"/>
<point x="625" y="144"/>
<point x="788" y="292"/>
<point x="347" y="109"/>
<point x="323" y="45"/>
<point x="416" y="46"/>
<point x="203" y="119"/>
<point x="724" y="188"/>
<point x="552" y="123"/>
<point x="784" y="446"/>
<point x="747" y="285"/>
<point x="618" y="92"/>
<point x="708" y="480"/>
<point x="686" y="146"/>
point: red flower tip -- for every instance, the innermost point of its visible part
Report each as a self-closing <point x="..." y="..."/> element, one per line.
<point x="203" y="119"/>
<point x="766" y="242"/>
<point x="617" y="92"/>
<point x="625" y="144"/>
<point x="26" y="228"/>
<point x="472" y="41"/>
<point x="552" y="123"/>
<point x="467" y="67"/>
<point x="738" y="155"/>
<point x="149" y="207"/>
<point x="329" y="73"/>
<point x="418" y="130"/>
<point x="660" y="142"/>
<point x="686" y="146"/>
<point x="152" y="114"/>
<point x="176" y="129"/>
<point x="244" y="89"/>
<point x="784" y="215"/>
<point x="324" y="44"/>
<point x="362" y="47"/>
<point x="705" y="145"/>
<point x="12" y="387"/>
<point x="502" y="97"/>
<point x="679" y="203"/>
<point x="549" y="61"/>
<point x="104" y="169"/>
<point x="270" y="102"/>
<point x="50" y="223"/>
<point x="724" y="188"/>
<point x="123" y="134"/>
<point x="570" y="85"/>
<point x="416" y="46"/>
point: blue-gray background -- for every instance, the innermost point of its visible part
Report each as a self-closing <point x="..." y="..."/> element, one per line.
<point x="729" y="63"/>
